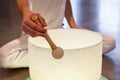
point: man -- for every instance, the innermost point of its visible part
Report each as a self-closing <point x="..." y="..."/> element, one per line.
<point x="51" y="14"/>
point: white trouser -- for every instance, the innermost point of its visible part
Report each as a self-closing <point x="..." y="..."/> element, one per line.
<point x="15" y="54"/>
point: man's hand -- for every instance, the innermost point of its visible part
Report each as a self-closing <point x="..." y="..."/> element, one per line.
<point x="31" y="27"/>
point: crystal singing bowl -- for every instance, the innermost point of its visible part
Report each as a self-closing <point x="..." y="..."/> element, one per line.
<point x="82" y="59"/>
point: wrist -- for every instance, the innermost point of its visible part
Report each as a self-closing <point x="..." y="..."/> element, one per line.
<point x="25" y="11"/>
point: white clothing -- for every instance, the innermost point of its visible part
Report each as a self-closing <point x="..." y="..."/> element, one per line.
<point x="51" y="10"/>
<point x="14" y="53"/>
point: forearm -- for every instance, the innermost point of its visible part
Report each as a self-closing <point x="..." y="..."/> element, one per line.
<point x="69" y="15"/>
<point x="23" y="6"/>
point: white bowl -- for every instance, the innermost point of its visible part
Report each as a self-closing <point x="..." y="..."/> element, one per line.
<point x="82" y="58"/>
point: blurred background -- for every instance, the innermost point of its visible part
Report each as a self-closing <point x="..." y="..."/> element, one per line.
<point x="98" y="15"/>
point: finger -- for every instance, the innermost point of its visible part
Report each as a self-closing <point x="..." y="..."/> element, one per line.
<point x="42" y="20"/>
<point x="35" y="27"/>
<point x="28" y="32"/>
<point x="35" y="19"/>
<point x="32" y="32"/>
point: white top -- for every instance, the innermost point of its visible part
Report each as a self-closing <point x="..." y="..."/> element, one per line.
<point x="51" y="10"/>
<point x="69" y="39"/>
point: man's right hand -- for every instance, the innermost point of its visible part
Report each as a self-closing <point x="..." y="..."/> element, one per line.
<point x="31" y="27"/>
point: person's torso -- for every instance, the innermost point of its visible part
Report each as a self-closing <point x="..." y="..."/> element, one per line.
<point x="52" y="10"/>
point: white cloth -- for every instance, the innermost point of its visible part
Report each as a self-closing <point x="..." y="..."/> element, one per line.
<point x="51" y="10"/>
<point x="108" y="43"/>
<point x="14" y="53"/>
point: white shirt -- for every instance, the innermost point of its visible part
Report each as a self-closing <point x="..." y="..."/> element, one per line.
<point x="52" y="10"/>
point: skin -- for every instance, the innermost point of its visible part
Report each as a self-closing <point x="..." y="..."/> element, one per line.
<point x="36" y="30"/>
